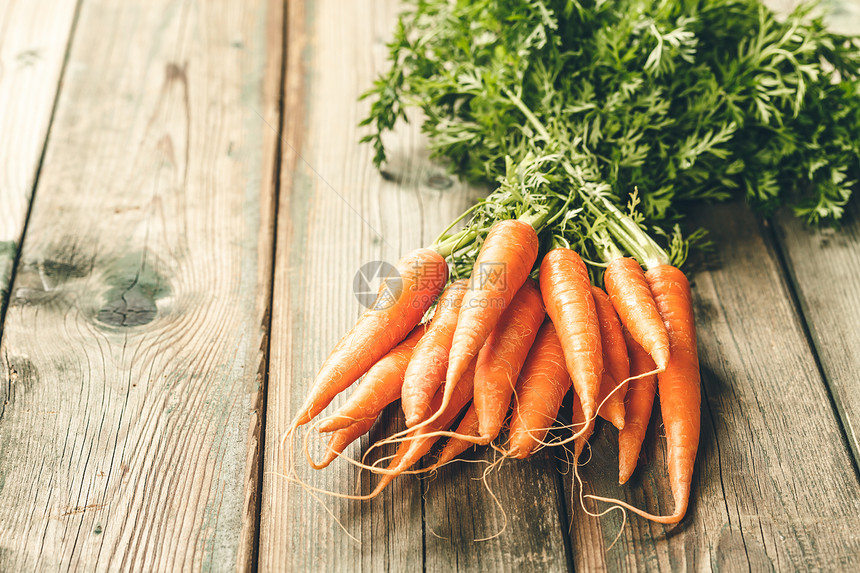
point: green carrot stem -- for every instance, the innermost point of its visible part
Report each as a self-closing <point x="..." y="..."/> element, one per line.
<point x="462" y="216"/>
<point x="536" y="219"/>
<point x="539" y="127"/>
<point x="456" y="242"/>
<point x="607" y="249"/>
<point x="629" y="234"/>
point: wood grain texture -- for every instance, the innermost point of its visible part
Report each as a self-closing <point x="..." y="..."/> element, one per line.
<point x="336" y="213"/>
<point x="767" y="417"/>
<point x="774" y="487"/>
<point x="824" y="267"/>
<point x="134" y="345"/>
<point x="527" y="528"/>
<point x="34" y="35"/>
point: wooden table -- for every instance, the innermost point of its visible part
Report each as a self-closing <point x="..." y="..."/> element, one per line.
<point x="183" y="205"/>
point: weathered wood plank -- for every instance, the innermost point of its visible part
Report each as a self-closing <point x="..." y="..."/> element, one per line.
<point x="824" y="266"/>
<point x="754" y="507"/>
<point x="134" y="346"/>
<point x="774" y="487"/>
<point x="33" y="40"/>
<point x="337" y="212"/>
<point x="529" y="528"/>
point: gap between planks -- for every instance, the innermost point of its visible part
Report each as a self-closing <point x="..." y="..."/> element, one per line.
<point x="15" y="245"/>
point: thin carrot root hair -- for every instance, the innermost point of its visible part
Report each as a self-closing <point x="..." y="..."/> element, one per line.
<point x="286" y="456"/>
<point x="578" y="485"/>
<point x="680" y="509"/>
<point x="361" y="465"/>
<point x="375" y="466"/>
<point x="318" y="499"/>
<point x="339" y="418"/>
<point x="497" y="461"/>
<point x="541" y="443"/>
<point x="620" y="504"/>
<point x="372" y="468"/>
<point x="590" y="455"/>
<point x="396" y="438"/>
<point x="560" y="441"/>
<point x="306" y="450"/>
<point x="435" y="468"/>
<point x="495" y="464"/>
<point x="591" y="420"/>
<point x="496" y="500"/>
<point x="544" y="444"/>
<point x="437" y="536"/>
<point x="566" y="461"/>
<point x="294" y="476"/>
<point x="447" y="393"/>
<point x="328" y="510"/>
<point x="290" y="474"/>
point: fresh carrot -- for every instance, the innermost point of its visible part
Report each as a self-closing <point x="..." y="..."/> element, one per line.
<point x="616" y="364"/>
<point x="632" y="298"/>
<point x="501" y="359"/>
<point x="678" y="386"/>
<point x="399" y="307"/>
<point x="502" y="266"/>
<point x="343" y="437"/>
<point x="379" y="387"/>
<point x="566" y="289"/>
<point x="579" y="420"/>
<point x="455" y="446"/>
<point x="638" y="404"/>
<point x="426" y="370"/>
<point x="419" y="441"/>
<point x="539" y="393"/>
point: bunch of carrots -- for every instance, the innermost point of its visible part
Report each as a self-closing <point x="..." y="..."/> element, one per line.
<point x="554" y="282"/>
<point x="524" y="328"/>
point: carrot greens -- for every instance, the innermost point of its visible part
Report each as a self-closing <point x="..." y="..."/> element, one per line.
<point x="559" y="102"/>
<point x="594" y="122"/>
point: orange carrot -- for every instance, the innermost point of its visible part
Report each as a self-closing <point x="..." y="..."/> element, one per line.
<point x="468" y="427"/>
<point x="379" y="387"/>
<point x="678" y="386"/>
<point x="343" y="437"/>
<point x="540" y="391"/>
<point x="419" y="442"/>
<point x="399" y="307"/>
<point x="632" y="298"/>
<point x="638" y="404"/>
<point x="501" y="268"/>
<point x="616" y="364"/>
<point x="501" y="359"/>
<point x="426" y="370"/>
<point x="579" y="421"/>
<point x="566" y="289"/>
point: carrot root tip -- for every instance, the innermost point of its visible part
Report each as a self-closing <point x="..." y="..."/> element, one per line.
<point x="329" y="425"/>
